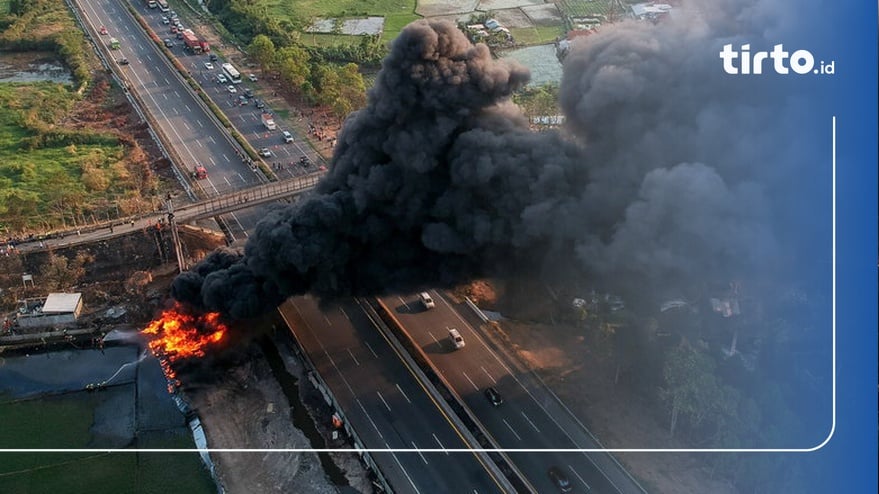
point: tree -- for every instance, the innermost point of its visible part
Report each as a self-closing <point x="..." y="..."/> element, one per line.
<point x="61" y="273"/>
<point x="690" y="386"/>
<point x="292" y="63"/>
<point x="262" y="49"/>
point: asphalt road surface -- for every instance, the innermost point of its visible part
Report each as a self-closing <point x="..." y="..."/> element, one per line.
<point x="384" y="401"/>
<point x="529" y="418"/>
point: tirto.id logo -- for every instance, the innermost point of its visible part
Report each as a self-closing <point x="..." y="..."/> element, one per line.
<point x="746" y="63"/>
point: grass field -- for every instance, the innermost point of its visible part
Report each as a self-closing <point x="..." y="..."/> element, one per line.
<point x="49" y="169"/>
<point x="306" y="9"/>
<point x="579" y="8"/>
<point x="536" y="35"/>
<point x="397" y="13"/>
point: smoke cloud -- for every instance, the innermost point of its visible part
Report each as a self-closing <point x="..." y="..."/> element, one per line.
<point x="667" y="169"/>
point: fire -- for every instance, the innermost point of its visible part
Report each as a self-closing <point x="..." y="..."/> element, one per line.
<point x="176" y="334"/>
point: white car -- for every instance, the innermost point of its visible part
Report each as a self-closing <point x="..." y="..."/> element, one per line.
<point x="252" y="77"/>
<point x="426" y="300"/>
<point x="165" y="20"/>
<point x="209" y="66"/>
<point x="221" y="79"/>
<point x="456" y="339"/>
<point x="231" y="89"/>
<point x="288" y="137"/>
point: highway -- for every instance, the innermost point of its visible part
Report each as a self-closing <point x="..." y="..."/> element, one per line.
<point x="183" y="119"/>
<point x="383" y="400"/>
<point x="530" y="417"/>
<point x="379" y="394"/>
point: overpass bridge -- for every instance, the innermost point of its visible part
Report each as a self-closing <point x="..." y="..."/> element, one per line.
<point x="188" y="213"/>
<point x="245" y="198"/>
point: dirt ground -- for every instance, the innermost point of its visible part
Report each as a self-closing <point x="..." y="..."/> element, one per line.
<point x="572" y="363"/>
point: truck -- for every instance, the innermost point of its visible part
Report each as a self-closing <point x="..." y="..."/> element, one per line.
<point x="269" y="121"/>
<point x="193" y="43"/>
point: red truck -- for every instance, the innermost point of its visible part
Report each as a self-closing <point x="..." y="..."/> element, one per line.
<point x="193" y="43"/>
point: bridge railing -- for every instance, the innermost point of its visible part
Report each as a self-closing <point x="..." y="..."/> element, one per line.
<point x="261" y="193"/>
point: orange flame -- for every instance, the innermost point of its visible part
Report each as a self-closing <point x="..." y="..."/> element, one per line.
<point x="176" y="334"/>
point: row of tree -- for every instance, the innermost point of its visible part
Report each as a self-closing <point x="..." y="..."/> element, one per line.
<point x="339" y="87"/>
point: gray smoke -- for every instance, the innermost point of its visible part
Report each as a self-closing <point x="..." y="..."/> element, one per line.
<point x="666" y="169"/>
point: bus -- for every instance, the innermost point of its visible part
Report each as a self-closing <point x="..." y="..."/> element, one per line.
<point x="233" y="74"/>
<point x="163" y="5"/>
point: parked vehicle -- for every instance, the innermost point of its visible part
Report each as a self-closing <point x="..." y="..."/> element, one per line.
<point x="268" y="121"/>
<point x="252" y="77"/>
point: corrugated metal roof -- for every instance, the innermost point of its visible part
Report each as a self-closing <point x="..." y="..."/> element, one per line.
<point x="60" y="303"/>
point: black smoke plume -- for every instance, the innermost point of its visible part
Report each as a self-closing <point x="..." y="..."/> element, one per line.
<point x="668" y="169"/>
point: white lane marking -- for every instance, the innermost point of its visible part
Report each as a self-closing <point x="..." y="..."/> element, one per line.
<point x="370" y="349"/>
<point x="370" y="418"/>
<point x="199" y="123"/>
<point x="528" y="392"/>
<point x="487" y="374"/>
<point x="382" y="398"/>
<point x="434" y="338"/>
<point x="187" y="127"/>
<point x="530" y="422"/>
<point x="353" y="357"/>
<point x="408" y="309"/>
<point x="165" y="96"/>
<point x="176" y="93"/>
<point x="579" y="477"/>
<point x="471" y="381"/>
<point x="199" y="144"/>
<point x="327" y="320"/>
<point x="211" y="159"/>
<point x="242" y="178"/>
<point x="227" y="180"/>
<point x="403" y="393"/>
<point x="511" y="429"/>
<point x="227" y="158"/>
<point x="403" y="469"/>
<point x="348" y="318"/>
<point x="415" y="446"/>
<point x="438" y="442"/>
<point x="167" y="82"/>
<point x="211" y="138"/>
<point x="188" y="108"/>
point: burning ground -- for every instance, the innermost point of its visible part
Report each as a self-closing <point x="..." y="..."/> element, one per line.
<point x="667" y="173"/>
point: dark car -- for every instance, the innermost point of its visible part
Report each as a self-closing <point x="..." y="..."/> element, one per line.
<point x="169" y="43"/>
<point x="259" y="104"/>
<point x="493" y="396"/>
<point x="214" y="58"/>
<point x="559" y="479"/>
<point x="248" y="92"/>
<point x="122" y="61"/>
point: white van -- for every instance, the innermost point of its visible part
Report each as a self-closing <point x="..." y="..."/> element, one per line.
<point x="456" y="338"/>
<point x="426" y="301"/>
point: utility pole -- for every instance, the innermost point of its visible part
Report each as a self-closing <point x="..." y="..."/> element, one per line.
<point x="175" y="238"/>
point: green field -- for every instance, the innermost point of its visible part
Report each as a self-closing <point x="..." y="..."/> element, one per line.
<point x="580" y="8"/>
<point x="65" y="421"/>
<point x="538" y="35"/>
<point x="306" y="9"/>
<point x="397" y="13"/>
